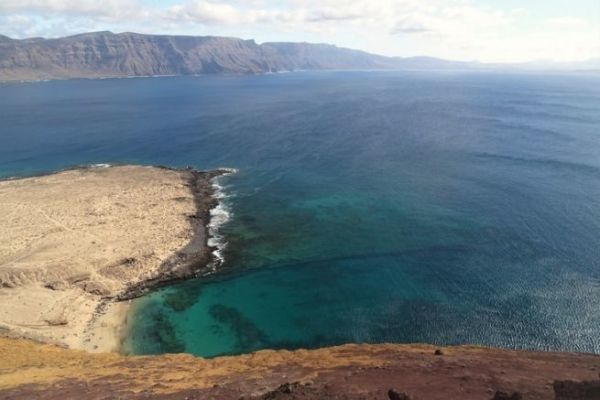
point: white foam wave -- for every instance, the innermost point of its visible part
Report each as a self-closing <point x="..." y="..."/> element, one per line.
<point x="219" y="215"/>
<point x="102" y="165"/>
<point x="219" y="191"/>
<point x="227" y="171"/>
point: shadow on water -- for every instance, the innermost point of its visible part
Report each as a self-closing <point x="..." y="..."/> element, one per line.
<point x="247" y="334"/>
<point x="183" y="297"/>
<point x="161" y="335"/>
<point x="249" y="337"/>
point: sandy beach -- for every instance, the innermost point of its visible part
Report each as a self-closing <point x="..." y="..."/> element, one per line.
<point x="75" y="242"/>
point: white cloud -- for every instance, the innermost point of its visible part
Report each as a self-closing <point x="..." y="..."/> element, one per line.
<point x="212" y="13"/>
<point x="570" y="23"/>
<point x="456" y="29"/>
<point x="113" y="8"/>
<point x="18" y="25"/>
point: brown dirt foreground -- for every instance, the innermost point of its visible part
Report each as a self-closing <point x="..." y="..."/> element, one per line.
<point x="37" y="371"/>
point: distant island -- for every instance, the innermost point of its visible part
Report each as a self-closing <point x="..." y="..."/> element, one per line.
<point x="106" y="54"/>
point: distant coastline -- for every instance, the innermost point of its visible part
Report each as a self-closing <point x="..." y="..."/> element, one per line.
<point x="99" y="55"/>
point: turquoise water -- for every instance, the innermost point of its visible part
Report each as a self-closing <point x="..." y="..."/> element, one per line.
<point x="369" y="206"/>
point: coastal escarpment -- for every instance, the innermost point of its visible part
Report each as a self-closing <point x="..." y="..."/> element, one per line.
<point x="105" y="54"/>
<point x="385" y="371"/>
<point x="76" y="244"/>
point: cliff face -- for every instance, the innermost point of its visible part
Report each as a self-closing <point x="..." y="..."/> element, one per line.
<point x="105" y="54"/>
<point x="386" y="371"/>
<point x="130" y="54"/>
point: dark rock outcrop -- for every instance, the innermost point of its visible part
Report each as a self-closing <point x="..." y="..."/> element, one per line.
<point x="499" y="395"/>
<point x="395" y="395"/>
<point x="571" y="390"/>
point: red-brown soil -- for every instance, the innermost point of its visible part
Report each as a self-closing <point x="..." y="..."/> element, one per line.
<point x="36" y="371"/>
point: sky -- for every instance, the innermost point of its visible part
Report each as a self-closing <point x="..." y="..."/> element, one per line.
<point x="469" y="30"/>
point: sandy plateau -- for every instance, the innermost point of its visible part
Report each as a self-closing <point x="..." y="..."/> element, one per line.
<point x="71" y="241"/>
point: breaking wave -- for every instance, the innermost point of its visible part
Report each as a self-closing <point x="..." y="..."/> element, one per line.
<point x="219" y="215"/>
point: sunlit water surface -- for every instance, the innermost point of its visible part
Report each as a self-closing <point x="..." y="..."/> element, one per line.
<point x="369" y="206"/>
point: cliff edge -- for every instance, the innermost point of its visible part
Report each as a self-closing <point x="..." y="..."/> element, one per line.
<point x="386" y="371"/>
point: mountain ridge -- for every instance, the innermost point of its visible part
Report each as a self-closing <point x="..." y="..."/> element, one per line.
<point x="105" y="54"/>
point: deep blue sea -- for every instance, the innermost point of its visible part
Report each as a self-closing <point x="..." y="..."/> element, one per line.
<point x="440" y="207"/>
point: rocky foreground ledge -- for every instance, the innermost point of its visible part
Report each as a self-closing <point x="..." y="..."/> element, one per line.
<point x="76" y="245"/>
<point x="418" y="372"/>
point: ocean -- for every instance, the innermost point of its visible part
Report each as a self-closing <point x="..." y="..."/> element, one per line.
<point x="439" y="207"/>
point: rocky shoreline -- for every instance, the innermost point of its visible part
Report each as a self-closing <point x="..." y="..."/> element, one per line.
<point x="194" y="260"/>
<point x="196" y="257"/>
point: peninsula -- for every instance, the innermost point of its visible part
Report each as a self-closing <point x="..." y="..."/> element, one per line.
<point x="76" y="245"/>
